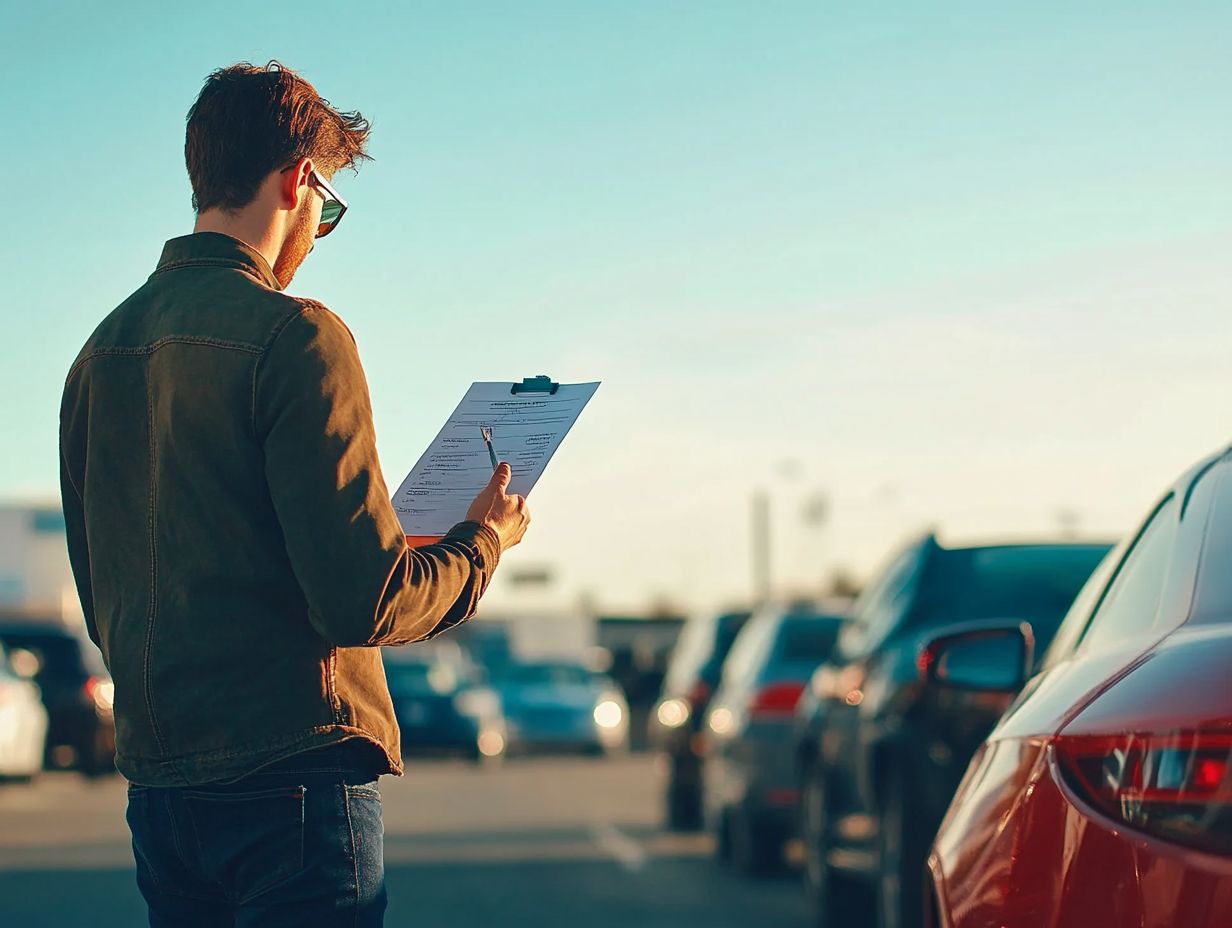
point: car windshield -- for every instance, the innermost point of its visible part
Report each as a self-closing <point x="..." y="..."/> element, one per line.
<point x="807" y="639"/>
<point x="409" y="677"/>
<point x="1035" y="583"/>
<point x="548" y="675"/>
<point x="728" y="628"/>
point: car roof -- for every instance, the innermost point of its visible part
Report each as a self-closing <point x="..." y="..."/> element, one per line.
<point x="1030" y="544"/>
<point x="26" y="627"/>
<point x="1185" y="484"/>
<point x="789" y="613"/>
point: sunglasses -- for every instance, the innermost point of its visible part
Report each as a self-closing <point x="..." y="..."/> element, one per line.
<point x="335" y="207"/>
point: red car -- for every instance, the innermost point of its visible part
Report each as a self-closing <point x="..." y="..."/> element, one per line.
<point x="1104" y="796"/>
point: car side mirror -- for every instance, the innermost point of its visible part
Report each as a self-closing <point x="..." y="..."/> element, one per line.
<point x="988" y="658"/>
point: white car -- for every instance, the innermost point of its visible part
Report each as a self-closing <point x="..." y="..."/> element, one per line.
<point x="23" y="724"/>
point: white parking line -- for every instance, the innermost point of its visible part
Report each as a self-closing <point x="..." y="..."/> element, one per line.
<point x="627" y="852"/>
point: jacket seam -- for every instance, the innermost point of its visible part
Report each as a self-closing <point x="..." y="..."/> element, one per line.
<point x="264" y="352"/>
<point x="152" y="612"/>
<point x="68" y="471"/>
<point x="223" y="756"/>
<point x="249" y="748"/>
<point x="144" y="350"/>
<point x="214" y="262"/>
<point x="309" y="305"/>
<point x="334" y="702"/>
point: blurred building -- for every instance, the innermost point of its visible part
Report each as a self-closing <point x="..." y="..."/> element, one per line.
<point x="35" y="577"/>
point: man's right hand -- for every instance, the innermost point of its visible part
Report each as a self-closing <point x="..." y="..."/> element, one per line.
<point x="506" y="515"/>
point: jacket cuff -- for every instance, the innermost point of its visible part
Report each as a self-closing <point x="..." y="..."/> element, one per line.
<point x="483" y="538"/>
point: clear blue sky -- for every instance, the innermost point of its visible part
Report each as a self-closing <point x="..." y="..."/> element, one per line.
<point x="967" y="264"/>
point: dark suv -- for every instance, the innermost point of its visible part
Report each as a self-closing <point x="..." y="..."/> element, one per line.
<point x="675" y="723"/>
<point x="77" y="691"/>
<point x="880" y="754"/>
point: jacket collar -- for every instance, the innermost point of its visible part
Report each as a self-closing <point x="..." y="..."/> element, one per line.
<point x="218" y="250"/>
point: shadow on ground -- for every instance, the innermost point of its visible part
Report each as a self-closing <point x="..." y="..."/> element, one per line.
<point x="666" y="893"/>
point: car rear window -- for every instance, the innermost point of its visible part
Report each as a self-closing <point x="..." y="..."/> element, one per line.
<point x="58" y="655"/>
<point x="703" y="641"/>
<point x="548" y="675"/>
<point x="413" y="679"/>
<point x="1213" y="593"/>
<point x="807" y="640"/>
<point x="1035" y="583"/>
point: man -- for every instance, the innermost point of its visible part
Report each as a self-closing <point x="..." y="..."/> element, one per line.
<point x="234" y="546"/>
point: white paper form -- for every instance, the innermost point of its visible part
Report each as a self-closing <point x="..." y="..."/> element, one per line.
<point x="527" y="428"/>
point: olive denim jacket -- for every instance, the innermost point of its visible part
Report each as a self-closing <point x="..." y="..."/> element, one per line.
<point x="232" y="540"/>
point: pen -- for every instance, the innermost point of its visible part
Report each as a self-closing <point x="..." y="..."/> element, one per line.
<point x="486" y="432"/>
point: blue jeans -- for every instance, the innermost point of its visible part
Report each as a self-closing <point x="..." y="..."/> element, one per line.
<point x="294" y="846"/>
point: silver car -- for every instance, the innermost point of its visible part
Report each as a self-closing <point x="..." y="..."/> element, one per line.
<point x="750" y="790"/>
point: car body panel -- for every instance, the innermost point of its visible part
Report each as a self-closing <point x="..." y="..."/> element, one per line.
<point x="1021" y="845"/>
<point x="750" y="765"/>
<point x="554" y="706"/>
<point x="441" y="703"/>
<point x="1019" y="850"/>
<point x="754" y="770"/>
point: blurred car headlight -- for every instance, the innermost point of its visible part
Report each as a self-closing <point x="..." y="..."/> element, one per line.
<point x="722" y="721"/>
<point x="442" y="679"/>
<point x="609" y="714"/>
<point x="673" y="713"/>
<point x="491" y="744"/>
<point x="477" y="703"/>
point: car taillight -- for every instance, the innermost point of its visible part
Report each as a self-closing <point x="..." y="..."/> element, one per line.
<point x="699" y="695"/>
<point x="777" y="699"/>
<point x="1176" y="786"/>
<point x="101" y="692"/>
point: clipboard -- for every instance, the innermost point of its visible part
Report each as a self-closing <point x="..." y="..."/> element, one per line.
<point x="533" y="432"/>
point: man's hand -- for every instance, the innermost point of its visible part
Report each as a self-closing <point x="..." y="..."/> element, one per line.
<point x="506" y="515"/>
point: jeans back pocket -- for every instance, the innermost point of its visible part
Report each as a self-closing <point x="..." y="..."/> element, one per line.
<point x="249" y="842"/>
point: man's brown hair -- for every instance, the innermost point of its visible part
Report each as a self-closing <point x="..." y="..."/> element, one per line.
<point x="249" y="121"/>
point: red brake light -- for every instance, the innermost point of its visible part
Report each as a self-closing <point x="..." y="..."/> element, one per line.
<point x="1176" y="786"/>
<point x="101" y="692"/>
<point x="699" y="695"/>
<point x="777" y="699"/>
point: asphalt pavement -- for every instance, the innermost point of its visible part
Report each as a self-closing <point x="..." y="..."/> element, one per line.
<point x="537" y="842"/>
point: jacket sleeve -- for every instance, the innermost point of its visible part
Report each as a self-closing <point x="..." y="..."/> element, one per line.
<point x="72" y="409"/>
<point x="364" y="585"/>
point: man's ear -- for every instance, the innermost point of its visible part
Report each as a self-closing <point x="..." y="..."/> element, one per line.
<point x="294" y="183"/>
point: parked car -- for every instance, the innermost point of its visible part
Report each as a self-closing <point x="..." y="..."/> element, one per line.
<point x="23" y="722"/>
<point x="676" y="720"/>
<point x="76" y="690"/>
<point x="1104" y="796"/>
<point x="749" y="792"/>
<point x="879" y="755"/>
<point x="442" y="703"/>
<point x="559" y="705"/>
<point x="486" y="642"/>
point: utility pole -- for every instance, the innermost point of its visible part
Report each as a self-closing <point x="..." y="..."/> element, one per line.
<point x="762" y="579"/>
<point x="1069" y="521"/>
